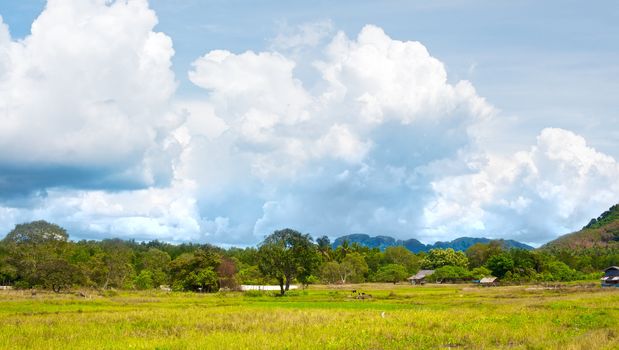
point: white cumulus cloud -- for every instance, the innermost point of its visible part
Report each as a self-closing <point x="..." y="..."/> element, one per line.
<point x="88" y="88"/>
<point x="554" y="187"/>
<point x="322" y="132"/>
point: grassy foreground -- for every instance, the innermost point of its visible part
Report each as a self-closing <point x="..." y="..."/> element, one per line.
<point x="396" y="317"/>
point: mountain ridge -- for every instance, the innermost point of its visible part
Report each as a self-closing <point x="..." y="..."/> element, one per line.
<point x="382" y="242"/>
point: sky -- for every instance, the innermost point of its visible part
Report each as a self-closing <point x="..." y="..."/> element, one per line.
<point x="222" y="121"/>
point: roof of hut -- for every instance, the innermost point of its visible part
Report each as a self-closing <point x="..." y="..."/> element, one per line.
<point x="421" y="274"/>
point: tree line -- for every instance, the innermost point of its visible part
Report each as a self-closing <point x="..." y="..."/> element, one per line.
<point x="40" y="255"/>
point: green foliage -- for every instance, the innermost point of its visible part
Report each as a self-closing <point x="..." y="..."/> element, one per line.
<point x="40" y="255"/>
<point x="330" y="272"/>
<point x="195" y="271"/>
<point x="36" y="232"/>
<point x="353" y="268"/>
<point x="480" y="272"/>
<point x="444" y="257"/>
<point x="479" y="253"/>
<point x="204" y="280"/>
<point x="561" y="272"/>
<point x="500" y="264"/>
<point x="451" y="274"/>
<point x="601" y="234"/>
<point x="611" y="215"/>
<point x="144" y="280"/>
<point x="252" y="275"/>
<point x="286" y="255"/>
<point x="36" y="254"/>
<point x="402" y="256"/>
<point x="393" y="273"/>
<point x="324" y="248"/>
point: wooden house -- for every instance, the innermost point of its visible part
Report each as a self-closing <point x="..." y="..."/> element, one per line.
<point x="611" y="277"/>
<point x="420" y="277"/>
<point x="488" y="281"/>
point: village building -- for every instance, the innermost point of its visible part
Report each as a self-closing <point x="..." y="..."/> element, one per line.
<point x="489" y="281"/>
<point x="611" y="277"/>
<point x="420" y="277"/>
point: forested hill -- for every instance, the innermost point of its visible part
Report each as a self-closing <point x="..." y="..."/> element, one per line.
<point x="382" y="242"/>
<point x="601" y="232"/>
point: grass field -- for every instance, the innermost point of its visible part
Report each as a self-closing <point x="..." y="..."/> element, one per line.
<point x="396" y="317"/>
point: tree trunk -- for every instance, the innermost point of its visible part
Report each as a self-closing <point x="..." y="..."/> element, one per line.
<point x="281" y="286"/>
<point x="287" y="283"/>
<point x="107" y="280"/>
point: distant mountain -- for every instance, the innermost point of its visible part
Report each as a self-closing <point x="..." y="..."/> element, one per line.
<point x="382" y="242"/>
<point x="463" y="243"/>
<point x="601" y="232"/>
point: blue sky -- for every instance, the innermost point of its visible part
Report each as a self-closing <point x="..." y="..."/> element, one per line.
<point x="220" y="121"/>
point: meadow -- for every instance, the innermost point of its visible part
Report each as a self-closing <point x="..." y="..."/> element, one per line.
<point x="322" y="317"/>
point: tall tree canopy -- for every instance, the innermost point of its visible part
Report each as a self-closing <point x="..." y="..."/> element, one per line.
<point x="288" y="254"/>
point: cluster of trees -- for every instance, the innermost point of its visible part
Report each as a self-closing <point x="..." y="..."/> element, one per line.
<point x="40" y="255"/>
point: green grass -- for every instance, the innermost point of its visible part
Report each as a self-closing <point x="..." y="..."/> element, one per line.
<point x="397" y="317"/>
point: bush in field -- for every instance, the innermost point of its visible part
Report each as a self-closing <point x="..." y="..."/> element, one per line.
<point x="144" y="280"/>
<point x="451" y="274"/>
<point x="562" y="272"/>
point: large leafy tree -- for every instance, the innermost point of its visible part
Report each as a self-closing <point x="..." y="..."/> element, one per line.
<point x="353" y="268"/>
<point x="444" y="257"/>
<point x="288" y="254"/>
<point x="402" y="256"/>
<point x="38" y="251"/>
<point x="117" y="264"/>
<point x="195" y="271"/>
<point x="479" y="253"/>
<point x="393" y="273"/>
<point x="156" y="263"/>
<point x="500" y="264"/>
<point x="36" y="232"/>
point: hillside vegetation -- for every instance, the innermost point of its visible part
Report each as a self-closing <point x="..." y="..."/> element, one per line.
<point x="601" y="232"/>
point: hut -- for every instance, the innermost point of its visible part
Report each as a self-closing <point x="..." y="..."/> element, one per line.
<point x="488" y="281"/>
<point x="420" y="277"/>
<point x="611" y="277"/>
